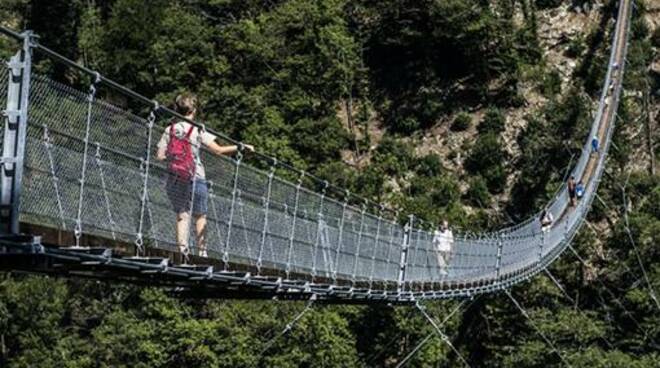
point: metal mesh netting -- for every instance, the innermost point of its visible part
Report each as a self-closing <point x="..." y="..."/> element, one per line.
<point x="254" y="218"/>
<point x="91" y="168"/>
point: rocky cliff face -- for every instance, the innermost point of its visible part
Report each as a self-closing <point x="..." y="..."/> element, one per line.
<point x="561" y="32"/>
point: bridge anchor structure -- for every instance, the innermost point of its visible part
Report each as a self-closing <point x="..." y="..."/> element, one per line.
<point x="82" y="195"/>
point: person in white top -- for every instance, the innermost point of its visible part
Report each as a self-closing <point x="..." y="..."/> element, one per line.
<point x="186" y="187"/>
<point x="443" y="240"/>
<point x="546" y="221"/>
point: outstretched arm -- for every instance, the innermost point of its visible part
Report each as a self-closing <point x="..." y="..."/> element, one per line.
<point x="225" y="150"/>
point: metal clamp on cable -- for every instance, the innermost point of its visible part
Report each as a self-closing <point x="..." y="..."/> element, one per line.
<point x="77" y="232"/>
<point x="152" y="114"/>
<point x="240" y="148"/>
<point x="92" y="86"/>
<point x="138" y="241"/>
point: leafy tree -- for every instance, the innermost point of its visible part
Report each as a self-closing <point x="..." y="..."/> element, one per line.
<point x="487" y="158"/>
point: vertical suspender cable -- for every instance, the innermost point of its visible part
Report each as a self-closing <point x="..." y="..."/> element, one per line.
<point x="292" y="231"/>
<point x="106" y="198"/>
<point x="266" y="205"/>
<point x="90" y="101"/>
<point x="48" y="143"/>
<point x="139" y="241"/>
<point x="225" y="253"/>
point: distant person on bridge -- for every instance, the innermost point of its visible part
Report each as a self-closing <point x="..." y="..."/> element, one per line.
<point x="594" y="144"/>
<point x="579" y="190"/>
<point x="443" y="240"/>
<point x="546" y="220"/>
<point x="186" y="187"/>
<point x="571" y="189"/>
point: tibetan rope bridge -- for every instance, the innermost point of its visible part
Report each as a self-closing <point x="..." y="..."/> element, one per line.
<point x="83" y="195"/>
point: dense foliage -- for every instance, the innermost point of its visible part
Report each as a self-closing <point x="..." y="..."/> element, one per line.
<point x="288" y="76"/>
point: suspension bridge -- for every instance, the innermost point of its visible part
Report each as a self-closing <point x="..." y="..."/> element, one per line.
<point x="82" y="195"/>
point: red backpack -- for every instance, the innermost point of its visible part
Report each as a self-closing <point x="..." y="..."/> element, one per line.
<point x="180" y="155"/>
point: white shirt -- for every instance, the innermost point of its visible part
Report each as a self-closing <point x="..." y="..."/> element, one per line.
<point x="548" y="218"/>
<point x="196" y="139"/>
<point x="443" y="240"/>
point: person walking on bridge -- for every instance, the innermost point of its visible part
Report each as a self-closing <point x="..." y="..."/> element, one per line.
<point x="187" y="188"/>
<point x="571" y="190"/>
<point x="595" y="143"/>
<point x="443" y="239"/>
<point x="579" y="190"/>
<point x="546" y="220"/>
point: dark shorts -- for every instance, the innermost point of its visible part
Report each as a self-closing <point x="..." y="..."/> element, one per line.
<point x="571" y="193"/>
<point x="180" y="193"/>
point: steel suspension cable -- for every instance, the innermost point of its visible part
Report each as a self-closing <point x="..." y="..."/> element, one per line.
<point x="558" y="285"/>
<point x="538" y="331"/>
<point x="442" y="335"/>
<point x="373" y="356"/>
<point x="636" y="250"/>
<point x="609" y="292"/>
<point x="563" y="290"/>
<point x="428" y="337"/>
<point x="288" y="326"/>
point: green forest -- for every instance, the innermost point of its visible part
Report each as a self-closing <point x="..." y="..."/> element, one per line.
<point x="463" y="110"/>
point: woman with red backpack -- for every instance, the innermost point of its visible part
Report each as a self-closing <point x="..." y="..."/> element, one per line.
<point x="187" y="187"/>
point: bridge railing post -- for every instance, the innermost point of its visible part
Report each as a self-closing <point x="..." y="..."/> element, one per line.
<point x="15" y="129"/>
<point x="404" y="253"/>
